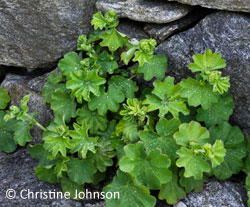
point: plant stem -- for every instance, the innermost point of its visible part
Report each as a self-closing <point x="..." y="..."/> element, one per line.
<point x="35" y="121"/>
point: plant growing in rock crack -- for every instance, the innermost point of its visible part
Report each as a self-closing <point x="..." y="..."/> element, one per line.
<point x="170" y="138"/>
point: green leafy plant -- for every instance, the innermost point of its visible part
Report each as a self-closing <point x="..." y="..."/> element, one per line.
<point x="169" y="139"/>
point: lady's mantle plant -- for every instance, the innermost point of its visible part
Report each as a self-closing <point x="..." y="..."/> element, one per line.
<point x="110" y="127"/>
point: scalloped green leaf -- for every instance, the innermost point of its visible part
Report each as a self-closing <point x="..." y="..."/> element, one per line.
<point x="85" y="83"/>
<point x="192" y="184"/>
<point x="172" y="192"/>
<point x="81" y="142"/>
<point x="46" y="174"/>
<point x="107" y="100"/>
<point x="165" y="99"/>
<point x="130" y="194"/>
<point x="69" y="64"/>
<point x="194" y="164"/>
<point x="52" y="84"/>
<point x="4" y="98"/>
<point x="127" y="86"/>
<point x="94" y="120"/>
<point x="191" y="132"/>
<point x="113" y="39"/>
<point x="142" y="57"/>
<point x="7" y="129"/>
<point x="156" y="68"/>
<point x="104" y="154"/>
<point x="163" y="139"/>
<point x="198" y="93"/>
<point x="235" y="146"/>
<point x="22" y="132"/>
<point x="81" y="171"/>
<point x="56" y="138"/>
<point x="149" y="168"/>
<point x="62" y="104"/>
<point x="98" y="21"/>
<point x="71" y="187"/>
<point x="218" y="112"/>
<point x="207" y="61"/>
<point x="107" y="62"/>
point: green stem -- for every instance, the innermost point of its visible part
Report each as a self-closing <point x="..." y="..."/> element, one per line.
<point x="35" y="121"/>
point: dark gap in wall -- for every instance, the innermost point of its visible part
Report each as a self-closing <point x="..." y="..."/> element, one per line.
<point x="198" y="13"/>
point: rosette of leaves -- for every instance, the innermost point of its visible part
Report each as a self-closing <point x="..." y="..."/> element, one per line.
<point x="208" y="64"/>
<point x="196" y="151"/>
<point x="166" y="99"/>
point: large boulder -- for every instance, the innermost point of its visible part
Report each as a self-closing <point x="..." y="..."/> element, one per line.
<point x="217" y="194"/>
<point x="152" y="11"/>
<point x="17" y="173"/>
<point x="227" y="33"/>
<point x="35" y="34"/>
<point x="231" y="5"/>
<point x="18" y="86"/>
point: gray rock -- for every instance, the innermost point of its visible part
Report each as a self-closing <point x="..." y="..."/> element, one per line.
<point x="17" y="173"/>
<point x="231" y="5"/>
<point x="152" y="11"/>
<point x="217" y="194"/>
<point x="18" y="87"/>
<point x="161" y="32"/>
<point x="227" y="33"/>
<point x="132" y="29"/>
<point x="35" y="34"/>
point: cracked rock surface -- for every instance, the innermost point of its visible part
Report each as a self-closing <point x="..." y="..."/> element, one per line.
<point x="152" y="11"/>
<point x="35" y="34"/>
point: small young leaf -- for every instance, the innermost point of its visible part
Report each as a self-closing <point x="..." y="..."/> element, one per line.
<point x="206" y="62"/>
<point x="98" y="21"/>
<point x="126" y="56"/>
<point x="218" y="112"/>
<point x="149" y="169"/>
<point x="142" y="57"/>
<point x="156" y="68"/>
<point x="130" y="193"/>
